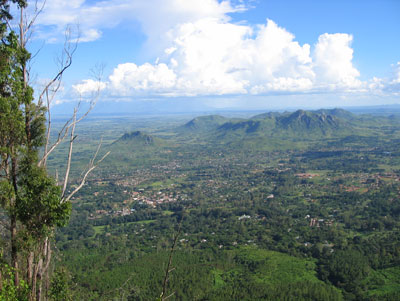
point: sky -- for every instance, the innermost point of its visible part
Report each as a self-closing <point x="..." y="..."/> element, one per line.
<point x="238" y="54"/>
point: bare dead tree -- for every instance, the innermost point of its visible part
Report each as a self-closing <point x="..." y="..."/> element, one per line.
<point x="67" y="130"/>
<point x="169" y="268"/>
<point x="51" y="89"/>
<point x="39" y="258"/>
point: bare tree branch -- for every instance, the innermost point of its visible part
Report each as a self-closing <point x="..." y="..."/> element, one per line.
<point x="65" y="62"/>
<point x="50" y="94"/>
<point x="168" y="270"/>
<point x="46" y="151"/>
<point x="71" y="144"/>
<point x="92" y="166"/>
<point x="38" y="11"/>
<point x="71" y="123"/>
<point x="61" y="135"/>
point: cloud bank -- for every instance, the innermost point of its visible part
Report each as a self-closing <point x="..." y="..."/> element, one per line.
<point x="215" y="57"/>
<point x="201" y="52"/>
<point x="93" y="16"/>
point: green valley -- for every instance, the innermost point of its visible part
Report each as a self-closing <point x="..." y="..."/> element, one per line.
<point x="301" y="204"/>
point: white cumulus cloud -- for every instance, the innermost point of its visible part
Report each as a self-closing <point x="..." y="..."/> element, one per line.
<point x="202" y="52"/>
<point x="389" y="86"/>
<point x="128" y="79"/>
<point x="215" y="57"/>
<point x="333" y="62"/>
<point x="88" y="86"/>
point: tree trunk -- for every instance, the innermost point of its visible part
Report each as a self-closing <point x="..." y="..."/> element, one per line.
<point x="43" y="265"/>
<point x="13" y="221"/>
<point x="39" y="280"/>
<point x="46" y="281"/>
<point x="29" y="267"/>
<point x="36" y="279"/>
<point x="14" y="249"/>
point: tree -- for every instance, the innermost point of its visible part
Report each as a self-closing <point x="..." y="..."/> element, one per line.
<point x="34" y="202"/>
<point x="16" y="107"/>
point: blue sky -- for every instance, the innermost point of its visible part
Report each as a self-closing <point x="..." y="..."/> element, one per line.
<point x="227" y="54"/>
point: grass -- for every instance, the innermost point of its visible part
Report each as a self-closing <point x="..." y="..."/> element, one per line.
<point x="383" y="282"/>
<point x="148" y="221"/>
<point x="218" y="281"/>
<point x="274" y="267"/>
<point x="98" y="229"/>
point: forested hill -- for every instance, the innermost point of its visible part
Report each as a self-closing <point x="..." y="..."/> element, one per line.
<point x="137" y="138"/>
<point x="204" y="123"/>
<point x="307" y="124"/>
<point x="268" y="131"/>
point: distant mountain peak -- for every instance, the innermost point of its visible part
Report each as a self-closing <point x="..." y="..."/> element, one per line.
<point x="336" y="112"/>
<point x="310" y="120"/>
<point x="204" y="123"/>
<point x="137" y="136"/>
<point x="268" y="115"/>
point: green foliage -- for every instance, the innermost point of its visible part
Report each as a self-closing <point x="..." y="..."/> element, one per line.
<point x="6" y="194"/>
<point x="8" y="291"/>
<point x="59" y="287"/>
<point x="384" y="283"/>
<point x="39" y="207"/>
<point x="347" y="268"/>
<point x="28" y="196"/>
<point x="12" y="121"/>
<point x="266" y="275"/>
<point x="205" y="275"/>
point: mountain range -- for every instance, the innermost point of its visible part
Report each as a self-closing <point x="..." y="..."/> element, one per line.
<point x="265" y="131"/>
<point x="304" y="124"/>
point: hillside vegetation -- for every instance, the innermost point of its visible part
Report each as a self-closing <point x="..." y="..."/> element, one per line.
<point x="279" y="206"/>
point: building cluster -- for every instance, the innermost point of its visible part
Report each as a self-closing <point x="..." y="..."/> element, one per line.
<point x="318" y="222"/>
